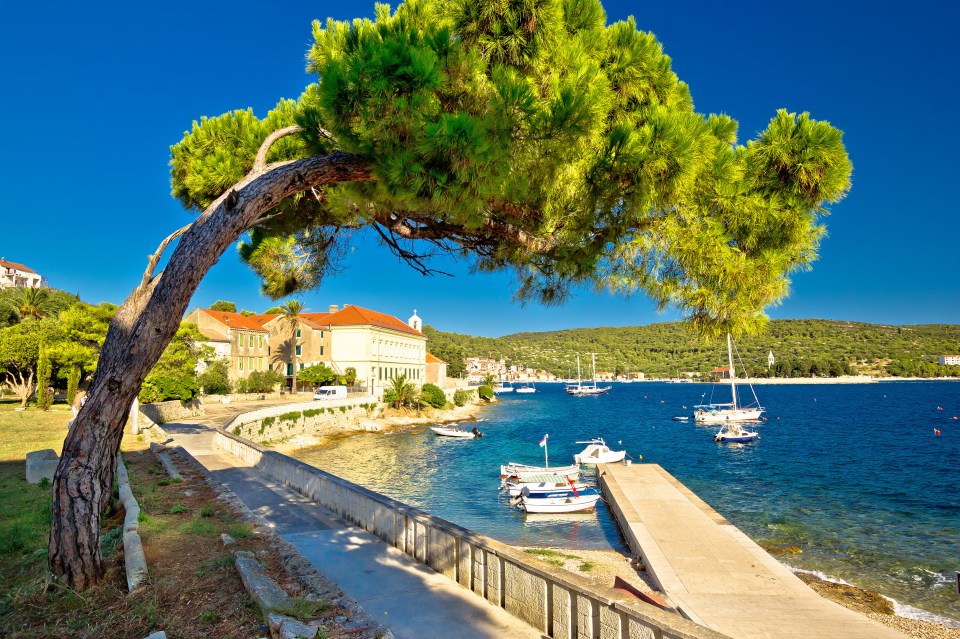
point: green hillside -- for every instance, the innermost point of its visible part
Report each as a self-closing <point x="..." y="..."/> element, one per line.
<point x="800" y="348"/>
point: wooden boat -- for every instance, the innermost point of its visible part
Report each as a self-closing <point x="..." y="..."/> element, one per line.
<point x="560" y="502"/>
<point x="442" y="431"/>
<point x="597" y="452"/>
<point x="536" y="484"/>
<point x="523" y="472"/>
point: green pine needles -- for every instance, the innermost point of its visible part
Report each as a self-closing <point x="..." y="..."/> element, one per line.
<point x="534" y="137"/>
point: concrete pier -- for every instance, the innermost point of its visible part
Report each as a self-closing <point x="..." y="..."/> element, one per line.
<point x="712" y="572"/>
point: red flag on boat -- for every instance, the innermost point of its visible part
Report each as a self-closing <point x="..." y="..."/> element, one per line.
<point x="543" y="442"/>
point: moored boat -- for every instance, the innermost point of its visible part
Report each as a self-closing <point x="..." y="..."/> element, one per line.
<point x="523" y="472"/>
<point x="560" y="502"/>
<point x="732" y="411"/>
<point x="735" y="433"/>
<point x="597" y="452"/>
<point x="537" y="484"/>
<point x="527" y="388"/>
<point x="443" y="431"/>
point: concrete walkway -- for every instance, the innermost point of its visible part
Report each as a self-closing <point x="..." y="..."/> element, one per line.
<point x="409" y="598"/>
<point x="715" y="574"/>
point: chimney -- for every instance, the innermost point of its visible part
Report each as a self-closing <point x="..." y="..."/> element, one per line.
<point x="333" y="308"/>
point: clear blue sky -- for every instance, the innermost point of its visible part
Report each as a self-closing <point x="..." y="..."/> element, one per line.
<point x="95" y="94"/>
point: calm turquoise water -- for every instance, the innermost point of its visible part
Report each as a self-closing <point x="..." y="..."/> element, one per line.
<point x="853" y="475"/>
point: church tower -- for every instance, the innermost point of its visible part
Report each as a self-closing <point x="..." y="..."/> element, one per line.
<point x="415" y="322"/>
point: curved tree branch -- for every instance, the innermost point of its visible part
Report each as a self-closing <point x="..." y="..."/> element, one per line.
<point x="260" y="162"/>
<point x="155" y="258"/>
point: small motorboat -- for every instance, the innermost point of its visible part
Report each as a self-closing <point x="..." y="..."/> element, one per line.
<point x="597" y="452"/>
<point x="681" y="418"/>
<point x="536" y="484"/>
<point x="442" y="431"/>
<point x="569" y="501"/>
<point x="523" y="472"/>
<point x="735" y="433"/>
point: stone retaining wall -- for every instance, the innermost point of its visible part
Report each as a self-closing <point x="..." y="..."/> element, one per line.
<point x="553" y="601"/>
<point x="314" y="418"/>
<point x="163" y="412"/>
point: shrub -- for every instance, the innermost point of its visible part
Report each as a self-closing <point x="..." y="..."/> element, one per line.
<point x="312" y="412"/>
<point x="485" y="392"/>
<point x="215" y="380"/>
<point x="433" y="395"/>
<point x="267" y="421"/>
<point x="462" y="397"/>
<point x="292" y="416"/>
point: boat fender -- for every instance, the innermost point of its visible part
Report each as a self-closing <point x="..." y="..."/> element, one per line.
<point x="936" y="431"/>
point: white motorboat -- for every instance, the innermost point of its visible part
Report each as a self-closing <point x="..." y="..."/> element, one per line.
<point x="580" y="389"/>
<point x="537" y="484"/>
<point x="734" y="410"/>
<point x="442" y="431"/>
<point x="526" y="388"/>
<point x="735" y="433"/>
<point x="560" y="502"/>
<point x="524" y="472"/>
<point x="597" y="452"/>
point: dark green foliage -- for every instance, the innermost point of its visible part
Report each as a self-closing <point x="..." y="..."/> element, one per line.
<point x="291" y="416"/>
<point x="216" y="379"/>
<point x="401" y="393"/>
<point x="485" y="392"/>
<point x="267" y="421"/>
<point x="447" y="350"/>
<point x="174" y="376"/>
<point x="44" y="394"/>
<point x="433" y="395"/>
<point x="317" y="375"/>
<point x="462" y="397"/>
<point x="47" y="302"/>
<point x="349" y="375"/>
<point x="221" y="305"/>
<point x="800" y="348"/>
<point x="312" y="412"/>
<point x="259" y="382"/>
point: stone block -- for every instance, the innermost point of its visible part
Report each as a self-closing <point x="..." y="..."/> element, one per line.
<point x="524" y="596"/>
<point x="442" y="552"/>
<point x="610" y="623"/>
<point x="40" y="464"/>
<point x="639" y="630"/>
<point x="133" y="559"/>
<point x="264" y="590"/>
<point x="564" y="622"/>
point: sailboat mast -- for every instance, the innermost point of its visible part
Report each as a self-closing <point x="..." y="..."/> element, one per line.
<point x="733" y="375"/>
<point x="578" y="370"/>
<point x="593" y="360"/>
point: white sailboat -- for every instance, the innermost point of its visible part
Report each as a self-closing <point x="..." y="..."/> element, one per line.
<point x="580" y="388"/>
<point x="503" y="387"/>
<point x="734" y="410"/>
<point x="528" y="387"/>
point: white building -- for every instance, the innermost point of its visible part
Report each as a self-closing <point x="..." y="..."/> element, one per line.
<point x="13" y="275"/>
<point x="950" y="360"/>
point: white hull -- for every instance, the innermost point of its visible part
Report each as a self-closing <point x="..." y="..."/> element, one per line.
<point x="588" y="390"/>
<point x="500" y="390"/>
<point x="516" y="488"/>
<point x="720" y="415"/>
<point x="522" y="471"/>
<point x="526" y="390"/>
<point x="453" y="432"/>
<point x="611" y="457"/>
<point x="569" y="504"/>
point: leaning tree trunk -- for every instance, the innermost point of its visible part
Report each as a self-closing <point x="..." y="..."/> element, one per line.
<point x="138" y="334"/>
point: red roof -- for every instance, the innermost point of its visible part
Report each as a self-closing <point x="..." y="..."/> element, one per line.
<point x="433" y="359"/>
<point x="235" y="320"/>
<point x="358" y="316"/>
<point x="720" y="370"/>
<point x="20" y="267"/>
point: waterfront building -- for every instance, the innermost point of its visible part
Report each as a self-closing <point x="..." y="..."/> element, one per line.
<point x="239" y="340"/>
<point x="950" y="360"/>
<point x="13" y="275"/>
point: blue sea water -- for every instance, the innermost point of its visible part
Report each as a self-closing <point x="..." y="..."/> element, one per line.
<point x="853" y="476"/>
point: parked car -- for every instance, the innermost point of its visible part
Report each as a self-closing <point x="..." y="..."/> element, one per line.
<point x="331" y="392"/>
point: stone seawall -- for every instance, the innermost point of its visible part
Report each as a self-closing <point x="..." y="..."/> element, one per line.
<point x="554" y="601"/>
<point x="280" y="423"/>
<point x="163" y="412"/>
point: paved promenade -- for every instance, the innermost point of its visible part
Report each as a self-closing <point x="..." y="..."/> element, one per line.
<point x="713" y="573"/>
<point x="409" y="598"/>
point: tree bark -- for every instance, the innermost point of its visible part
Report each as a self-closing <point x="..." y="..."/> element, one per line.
<point x="138" y="334"/>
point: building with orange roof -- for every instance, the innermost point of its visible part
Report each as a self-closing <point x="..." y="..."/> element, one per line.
<point x="13" y="275"/>
<point x="240" y="340"/>
<point x="378" y="346"/>
<point x="435" y="370"/>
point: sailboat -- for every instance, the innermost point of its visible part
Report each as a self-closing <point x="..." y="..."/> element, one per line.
<point x="733" y="411"/>
<point x="582" y="389"/>
<point x="528" y="387"/>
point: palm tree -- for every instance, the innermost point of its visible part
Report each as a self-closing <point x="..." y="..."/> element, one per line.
<point x="403" y="393"/>
<point x="289" y="317"/>
<point x="33" y="303"/>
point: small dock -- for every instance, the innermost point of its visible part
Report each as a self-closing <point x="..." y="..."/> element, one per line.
<point x="714" y="574"/>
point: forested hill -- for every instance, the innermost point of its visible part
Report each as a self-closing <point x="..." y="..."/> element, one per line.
<point x="800" y="348"/>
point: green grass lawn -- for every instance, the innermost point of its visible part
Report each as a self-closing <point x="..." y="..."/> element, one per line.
<point x="25" y="516"/>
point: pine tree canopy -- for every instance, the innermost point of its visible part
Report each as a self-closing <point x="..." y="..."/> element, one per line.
<point x="531" y="136"/>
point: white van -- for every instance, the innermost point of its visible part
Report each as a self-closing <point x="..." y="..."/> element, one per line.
<point x="331" y="392"/>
